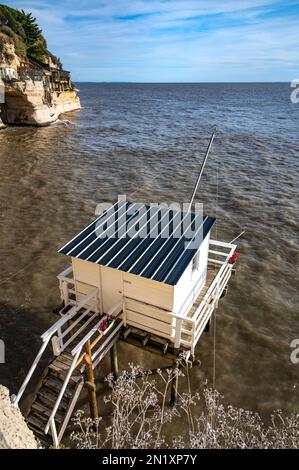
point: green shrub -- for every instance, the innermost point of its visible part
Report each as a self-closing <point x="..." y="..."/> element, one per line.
<point x="23" y="30"/>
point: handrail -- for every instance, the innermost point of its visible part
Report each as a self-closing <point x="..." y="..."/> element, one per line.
<point x="63" y="388"/>
<point x="187" y="299"/>
<point x="173" y="315"/>
<point x="76" y="361"/>
<point x="178" y="326"/>
<point x="183" y="308"/>
<point x="70" y="314"/>
<point x="112" y="311"/>
<point x="17" y="398"/>
<point x="66" y="272"/>
<point x="46" y="338"/>
<point x="215" y="281"/>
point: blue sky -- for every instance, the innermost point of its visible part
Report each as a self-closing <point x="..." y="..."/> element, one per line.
<point x="172" y="40"/>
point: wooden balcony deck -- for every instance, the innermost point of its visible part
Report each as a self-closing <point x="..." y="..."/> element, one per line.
<point x="211" y="274"/>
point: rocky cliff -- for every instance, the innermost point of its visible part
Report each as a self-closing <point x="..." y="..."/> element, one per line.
<point x="28" y="103"/>
<point x="37" y="89"/>
<point x="14" y="433"/>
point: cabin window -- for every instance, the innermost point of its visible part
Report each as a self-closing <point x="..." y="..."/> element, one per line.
<point x="195" y="263"/>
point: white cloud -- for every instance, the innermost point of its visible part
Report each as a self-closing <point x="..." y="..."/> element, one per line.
<point x="191" y="40"/>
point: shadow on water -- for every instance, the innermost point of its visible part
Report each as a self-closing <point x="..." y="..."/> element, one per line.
<point x="20" y="330"/>
<point x="147" y="141"/>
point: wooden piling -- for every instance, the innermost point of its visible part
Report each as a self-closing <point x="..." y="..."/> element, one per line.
<point x="114" y="361"/>
<point x="207" y="327"/>
<point x="90" y="383"/>
<point x="174" y="385"/>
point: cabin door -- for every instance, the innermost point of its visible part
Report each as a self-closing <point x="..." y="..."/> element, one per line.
<point x="112" y="287"/>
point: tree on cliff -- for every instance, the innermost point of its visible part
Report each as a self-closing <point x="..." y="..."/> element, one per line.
<point x="22" y="29"/>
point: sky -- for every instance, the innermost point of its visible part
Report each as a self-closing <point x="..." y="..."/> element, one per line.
<point x="172" y="40"/>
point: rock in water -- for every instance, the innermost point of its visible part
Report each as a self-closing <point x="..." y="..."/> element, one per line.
<point x="37" y="89"/>
<point x="14" y="433"/>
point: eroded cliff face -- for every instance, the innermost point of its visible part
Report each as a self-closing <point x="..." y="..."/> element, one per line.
<point x="8" y="56"/>
<point x="30" y="101"/>
<point x="14" y="433"/>
<point x="27" y="103"/>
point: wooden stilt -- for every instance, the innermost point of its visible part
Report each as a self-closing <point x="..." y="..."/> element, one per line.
<point x="90" y="384"/>
<point x="224" y="292"/>
<point x="114" y="361"/>
<point x="207" y="327"/>
<point x="174" y="386"/>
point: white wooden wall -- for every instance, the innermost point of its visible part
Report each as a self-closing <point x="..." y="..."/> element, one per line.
<point x="114" y="285"/>
<point x="148" y="291"/>
<point x="87" y="276"/>
<point x="191" y="282"/>
<point x="109" y="282"/>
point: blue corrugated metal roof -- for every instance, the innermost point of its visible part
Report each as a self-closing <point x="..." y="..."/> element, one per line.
<point x="148" y="241"/>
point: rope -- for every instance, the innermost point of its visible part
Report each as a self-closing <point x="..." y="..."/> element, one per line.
<point x="215" y="312"/>
<point x="240" y="235"/>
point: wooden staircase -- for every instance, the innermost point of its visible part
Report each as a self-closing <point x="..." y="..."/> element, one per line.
<point x="55" y="377"/>
<point x="47" y="395"/>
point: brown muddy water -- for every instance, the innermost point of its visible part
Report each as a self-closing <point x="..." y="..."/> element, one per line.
<point x="147" y="141"/>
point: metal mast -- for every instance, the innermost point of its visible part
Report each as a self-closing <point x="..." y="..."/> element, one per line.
<point x="201" y="169"/>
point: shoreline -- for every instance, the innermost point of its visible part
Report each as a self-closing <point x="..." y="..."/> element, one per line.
<point x="28" y="107"/>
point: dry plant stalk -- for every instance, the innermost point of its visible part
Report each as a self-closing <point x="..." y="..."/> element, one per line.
<point x="140" y="413"/>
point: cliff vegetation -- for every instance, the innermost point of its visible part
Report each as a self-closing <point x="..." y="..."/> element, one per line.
<point x="20" y="30"/>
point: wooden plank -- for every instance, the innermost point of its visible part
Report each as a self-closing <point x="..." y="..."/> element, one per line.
<point x="149" y="310"/>
<point x="40" y="409"/>
<point x="59" y="366"/>
<point x="219" y="253"/>
<point x="226" y="245"/>
<point x="127" y="332"/>
<point x="148" y="291"/>
<point x="146" y="322"/>
<point x="36" y="422"/>
<point x="48" y="396"/>
<point x="56" y="386"/>
<point x="150" y="330"/>
<point x="74" y="379"/>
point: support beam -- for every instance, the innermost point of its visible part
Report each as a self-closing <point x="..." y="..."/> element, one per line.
<point x="91" y="386"/>
<point x="114" y="361"/>
<point x="174" y="385"/>
<point x="207" y="327"/>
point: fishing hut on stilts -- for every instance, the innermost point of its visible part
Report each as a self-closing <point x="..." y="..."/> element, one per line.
<point x="145" y="275"/>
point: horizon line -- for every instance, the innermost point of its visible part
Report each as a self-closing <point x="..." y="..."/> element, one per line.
<point x="178" y="83"/>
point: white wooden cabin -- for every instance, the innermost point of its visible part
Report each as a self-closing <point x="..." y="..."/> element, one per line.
<point x="143" y="259"/>
<point x="139" y="268"/>
<point x="8" y="73"/>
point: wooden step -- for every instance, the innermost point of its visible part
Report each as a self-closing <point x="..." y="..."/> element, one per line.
<point x="37" y="425"/>
<point x="38" y="408"/>
<point x="66" y="357"/>
<point x="53" y="383"/>
<point x="37" y="421"/>
<point x="49" y="397"/>
<point x="61" y="370"/>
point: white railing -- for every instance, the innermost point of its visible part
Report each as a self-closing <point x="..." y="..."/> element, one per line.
<point x="65" y="280"/>
<point x="210" y="300"/>
<point x="58" y="344"/>
<point x="71" y="290"/>
<point x="179" y="329"/>
<point x="158" y="321"/>
<point x="78" y="356"/>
